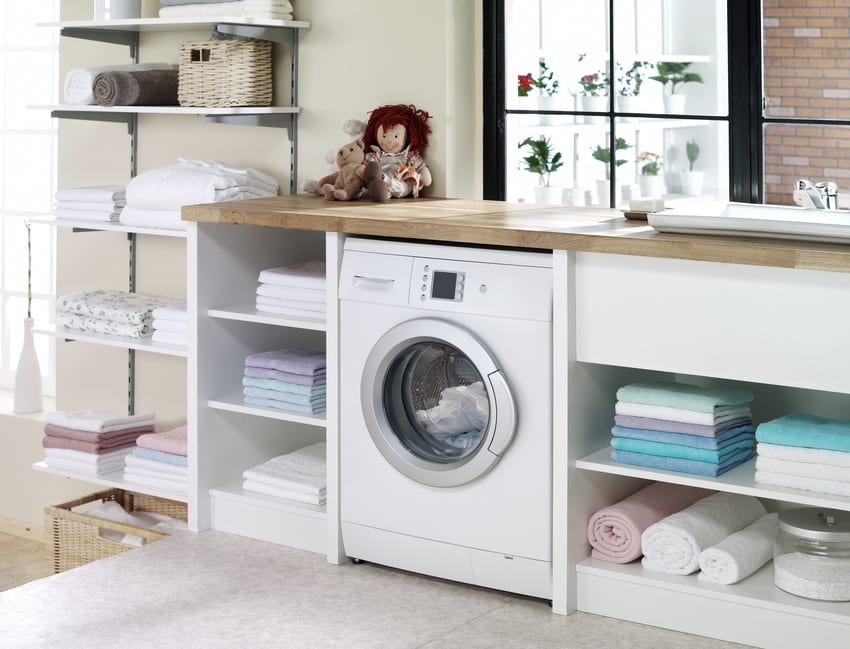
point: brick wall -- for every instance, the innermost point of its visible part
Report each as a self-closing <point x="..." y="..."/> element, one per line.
<point x="806" y="53"/>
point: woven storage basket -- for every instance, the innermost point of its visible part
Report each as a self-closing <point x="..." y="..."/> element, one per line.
<point x="75" y="536"/>
<point x="225" y="73"/>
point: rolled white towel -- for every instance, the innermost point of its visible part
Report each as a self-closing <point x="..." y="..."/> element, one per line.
<point x="740" y="554"/>
<point x="79" y="81"/>
<point x="673" y="544"/>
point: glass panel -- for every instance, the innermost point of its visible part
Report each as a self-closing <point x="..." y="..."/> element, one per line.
<point x="29" y="180"/>
<point x="26" y="16"/>
<point x="30" y="82"/>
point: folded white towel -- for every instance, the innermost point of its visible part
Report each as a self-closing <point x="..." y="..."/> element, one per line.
<point x="163" y="468"/>
<point x="673" y="544"/>
<point x="92" y="459"/>
<point x="101" y="216"/>
<point x="304" y="470"/>
<point x="160" y="482"/>
<point x="112" y="194"/>
<point x="170" y="337"/>
<point x="91" y="206"/>
<point x="288" y="494"/>
<point x="288" y="311"/>
<point x="172" y="313"/>
<point x="679" y="414"/>
<point x="832" y="487"/>
<point x="804" y="469"/>
<point x="807" y="455"/>
<point x="307" y="274"/>
<point x="277" y="11"/>
<point x="161" y="219"/>
<point x="163" y="324"/>
<point x="79" y="81"/>
<point x="97" y="421"/>
<point x="243" y="176"/>
<point x="318" y="307"/>
<point x="292" y="293"/>
<point x="132" y="470"/>
<point x="84" y="468"/>
<point x="740" y="554"/>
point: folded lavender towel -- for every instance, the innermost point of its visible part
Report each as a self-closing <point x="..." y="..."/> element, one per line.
<point x="317" y="379"/>
<point x="684" y="428"/>
<point x="142" y="88"/>
<point x="294" y="361"/>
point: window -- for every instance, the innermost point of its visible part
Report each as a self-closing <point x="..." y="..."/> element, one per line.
<point x="28" y="76"/>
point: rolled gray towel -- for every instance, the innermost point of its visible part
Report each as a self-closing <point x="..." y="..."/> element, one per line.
<point x="142" y="88"/>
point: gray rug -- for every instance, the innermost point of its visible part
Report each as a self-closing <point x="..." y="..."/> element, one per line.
<point x="214" y="590"/>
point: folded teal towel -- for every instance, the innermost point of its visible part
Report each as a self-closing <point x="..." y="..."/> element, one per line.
<point x="283" y="405"/>
<point x="809" y="431"/>
<point x="681" y="465"/>
<point x="724" y="439"/>
<point x="284" y="386"/>
<point x="679" y="451"/>
<point x="683" y="395"/>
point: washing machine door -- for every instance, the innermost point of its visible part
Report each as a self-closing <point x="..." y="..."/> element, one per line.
<point x="436" y="404"/>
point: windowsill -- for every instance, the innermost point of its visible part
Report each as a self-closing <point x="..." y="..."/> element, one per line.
<point x="7" y="405"/>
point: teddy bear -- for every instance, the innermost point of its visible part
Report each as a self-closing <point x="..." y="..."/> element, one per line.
<point x="354" y="128"/>
<point x="346" y="183"/>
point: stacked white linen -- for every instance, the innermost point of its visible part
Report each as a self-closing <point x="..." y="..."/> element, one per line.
<point x="156" y="196"/>
<point x="100" y="203"/>
<point x="274" y="9"/>
<point x="171" y="325"/>
<point x="300" y="475"/>
<point x="79" y="82"/>
<point x="160" y="460"/>
<point x="109" y="311"/>
<point x="295" y="290"/>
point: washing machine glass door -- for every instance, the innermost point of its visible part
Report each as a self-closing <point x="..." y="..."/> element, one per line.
<point x="436" y="404"/>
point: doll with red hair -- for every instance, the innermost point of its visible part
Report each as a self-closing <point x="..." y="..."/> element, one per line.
<point x="396" y="137"/>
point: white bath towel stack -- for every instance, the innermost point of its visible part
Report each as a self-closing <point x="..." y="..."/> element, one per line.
<point x="171" y="325"/>
<point x="300" y="475"/>
<point x="296" y="290"/>
<point x="101" y="203"/>
<point x="274" y="9"/>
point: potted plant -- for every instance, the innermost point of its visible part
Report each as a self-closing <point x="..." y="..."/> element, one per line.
<point x="692" y="180"/>
<point x="525" y="82"/>
<point x="603" y="154"/>
<point x="547" y="87"/>
<point x="650" y="180"/>
<point x="629" y="82"/>
<point x="672" y="74"/>
<point x="593" y="93"/>
<point x="543" y="160"/>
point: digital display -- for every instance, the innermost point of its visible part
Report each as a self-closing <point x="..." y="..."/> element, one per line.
<point x="443" y="285"/>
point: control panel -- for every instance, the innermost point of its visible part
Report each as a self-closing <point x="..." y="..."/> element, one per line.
<point x="441" y="284"/>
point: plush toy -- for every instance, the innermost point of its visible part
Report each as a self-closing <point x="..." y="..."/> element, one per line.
<point x="354" y="128"/>
<point x="396" y="137"/>
<point x="347" y="183"/>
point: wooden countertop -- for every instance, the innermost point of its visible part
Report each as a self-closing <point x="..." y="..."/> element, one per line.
<point x="523" y="225"/>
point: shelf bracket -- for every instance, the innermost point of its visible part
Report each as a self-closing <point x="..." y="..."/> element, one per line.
<point x="275" y="120"/>
<point x="116" y="37"/>
<point x="274" y="34"/>
<point x="127" y="118"/>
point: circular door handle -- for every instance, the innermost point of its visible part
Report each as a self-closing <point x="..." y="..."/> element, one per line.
<point x="505" y="427"/>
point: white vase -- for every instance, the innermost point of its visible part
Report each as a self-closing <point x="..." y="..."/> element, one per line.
<point x="117" y="9"/>
<point x="545" y="102"/>
<point x="28" y="375"/>
<point x="674" y="104"/>
<point x="602" y="192"/>
<point x="651" y="186"/>
<point x="596" y="105"/>
<point x="692" y="182"/>
<point x="550" y="195"/>
<point x="628" y="104"/>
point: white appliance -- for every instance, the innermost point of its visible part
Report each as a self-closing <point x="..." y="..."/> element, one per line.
<point x="446" y="412"/>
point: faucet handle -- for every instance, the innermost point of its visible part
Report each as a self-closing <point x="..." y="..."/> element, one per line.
<point x="829" y="192"/>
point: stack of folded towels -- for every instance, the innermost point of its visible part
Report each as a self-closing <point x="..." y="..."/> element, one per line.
<point x="170" y="325"/>
<point x="802" y="451"/>
<point x="159" y="460"/>
<point x="155" y="197"/>
<point x="102" y="203"/>
<point x="91" y="442"/>
<point x="110" y="311"/>
<point x="294" y="380"/>
<point x="300" y="476"/>
<point x="296" y="290"/>
<point x="682" y="427"/>
<point x="79" y="87"/>
<point x="274" y="9"/>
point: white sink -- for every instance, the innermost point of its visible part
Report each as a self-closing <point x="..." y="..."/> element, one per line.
<point x="751" y="220"/>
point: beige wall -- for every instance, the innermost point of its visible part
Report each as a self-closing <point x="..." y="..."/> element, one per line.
<point x="355" y="56"/>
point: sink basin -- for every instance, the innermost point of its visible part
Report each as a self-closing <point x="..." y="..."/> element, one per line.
<point x="751" y="220"/>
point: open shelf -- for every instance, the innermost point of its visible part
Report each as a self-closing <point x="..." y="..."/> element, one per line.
<point x="104" y="226"/>
<point x="245" y="312"/>
<point x="172" y="24"/>
<point x="234" y="403"/>
<point x="139" y="344"/>
<point x="71" y="109"/>
<point x="233" y="491"/>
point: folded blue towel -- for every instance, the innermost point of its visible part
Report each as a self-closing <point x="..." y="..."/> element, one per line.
<point x="283" y="405"/>
<point x="724" y="439"/>
<point x="160" y="456"/>
<point x="285" y="397"/>
<point x="285" y="386"/>
<point x="294" y="361"/>
<point x="684" y="428"/>
<point x="681" y="465"/>
<point x="679" y="451"/>
<point x="808" y="431"/>
<point x="683" y="395"/>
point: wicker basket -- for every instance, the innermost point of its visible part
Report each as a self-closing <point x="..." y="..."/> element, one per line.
<point x="225" y="73"/>
<point x="75" y="536"/>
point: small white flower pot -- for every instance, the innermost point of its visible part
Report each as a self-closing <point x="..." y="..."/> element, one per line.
<point x="594" y="104"/>
<point x="651" y="186"/>
<point x="674" y="104"/>
<point x="549" y="194"/>
<point x="692" y="182"/>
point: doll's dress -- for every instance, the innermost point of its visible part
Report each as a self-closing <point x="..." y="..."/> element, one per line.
<point x="401" y="171"/>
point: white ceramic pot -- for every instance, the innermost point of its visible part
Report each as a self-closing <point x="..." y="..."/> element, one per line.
<point x="28" y="375"/>
<point x="549" y="194"/>
<point x="117" y="9"/>
<point x="602" y="193"/>
<point x="692" y="182"/>
<point x="545" y="102"/>
<point x="674" y="104"/>
<point x="594" y="104"/>
<point x="627" y="104"/>
<point x="651" y="186"/>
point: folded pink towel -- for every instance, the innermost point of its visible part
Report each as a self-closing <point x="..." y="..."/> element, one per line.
<point x="614" y="532"/>
<point x="169" y="441"/>
<point x="89" y="436"/>
<point x="98" y="448"/>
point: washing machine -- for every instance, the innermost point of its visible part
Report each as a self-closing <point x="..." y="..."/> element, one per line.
<point x="446" y="411"/>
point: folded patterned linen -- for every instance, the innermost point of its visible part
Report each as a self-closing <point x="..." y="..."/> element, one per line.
<point x="682" y="465"/>
<point x="159" y="482"/>
<point x="79" y="82"/>
<point x="170" y="337"/>
<point x="130" y="470"/>
<point x="801" y="454"/>
<point x="298" y="379"/>
<point x="664" y="449"/>
<point x="160" y="456"/>
<point x="809" y="431"/>
<point x="317" y="401"/>
<point x="614" y="532"/>
<point x="674" y="543"/>
<point x="285" y="387"/>
<point x="740" y="554"/>
<point x="288" y="494"/>
<point x="724" y="439"/>
<point x="113" y="305"/>
<point x="99" y="194"/>
<point x="680" y="414"/>
<point x="164" y="324"/>
<point x="293" y="293"/>
<point x="283" y="405"/>
<point x="89" y="447"/>
<point x="169" y="441"/>
<point x="98" y="420"/>
<point x="837" y="473"/>
<point x="132" y="460"/>
<point x="92" y="436"/>
<point x="160" y="219"/>
<point x="290" y="311"/>
<point x="294" y="361"/>
<point x="832" y="487"/>
<point x="171" y="313"/>
<point x="307" y="274"/>
<point x="666" y="425"/>
<point x="136" y="88"/>
<point x="301" y="305"/>
<point x="86" y="458"/>
<point x="684" y="395"/>
<point x="91" y="324"/>
<point x="302" y="470"/>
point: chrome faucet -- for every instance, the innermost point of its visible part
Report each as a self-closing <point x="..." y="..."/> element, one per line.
<point x="818" y="196"/>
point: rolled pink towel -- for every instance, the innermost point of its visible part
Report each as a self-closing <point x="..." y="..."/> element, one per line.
<point x="614" y="532"/>
<point x="169" y="441"/>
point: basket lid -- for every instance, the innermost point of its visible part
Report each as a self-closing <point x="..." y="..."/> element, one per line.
<point x="816" y="523"/>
